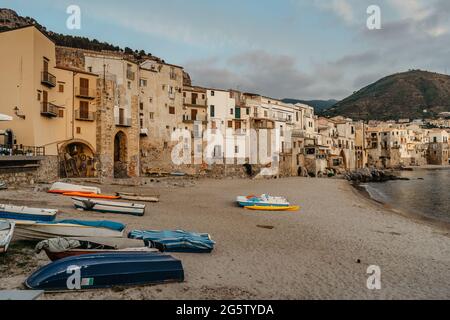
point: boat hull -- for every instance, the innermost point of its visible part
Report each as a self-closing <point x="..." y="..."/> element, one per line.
<point x="109" y="207"/>
<point x="137" y="197"/>
<point x="268" y="208"/>
<point x="6" y="234"/>
<point x="90" y="195"/>
<point x="61" y="187"/>
<point x="42" y="231"/>
<point x="26" y="214"/>
<point x="106" y="271"/>
<point x="263" y="201"/>
<point x="55" y="256"/>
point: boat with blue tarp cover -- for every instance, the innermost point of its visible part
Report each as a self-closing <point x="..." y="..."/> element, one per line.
<point x="106" y="270"/>
<point x="175" y="241"/>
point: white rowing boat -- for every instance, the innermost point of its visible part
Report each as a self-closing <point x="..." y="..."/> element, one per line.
<point x="61" y="187"/>
<point x="6" y="234"/>
<point x="37" y="231"/>
<point x="28" y="214"/>
<point x="103" y="206"/>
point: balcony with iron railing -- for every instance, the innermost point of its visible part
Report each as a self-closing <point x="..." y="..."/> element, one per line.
<point x="190" y="118"/>
<point x="85" y="93"/>
<point x="194" y="103"/>
<point x="21" y="150"/>
<point x="48" y="79"/>
<point x="123" y="121"/>
<point x="49" y="109"/>
<point x="82" y="115"/>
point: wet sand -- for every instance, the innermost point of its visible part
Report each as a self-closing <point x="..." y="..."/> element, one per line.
<point x="321" y="252"/>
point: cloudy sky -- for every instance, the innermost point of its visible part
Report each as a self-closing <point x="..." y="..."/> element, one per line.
<point x="307" y="49"/>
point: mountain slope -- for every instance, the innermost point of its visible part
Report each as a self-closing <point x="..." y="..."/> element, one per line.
<point x="412" y="94"/>
<point x="319" y="105"/>
<point x="9" y="19"/>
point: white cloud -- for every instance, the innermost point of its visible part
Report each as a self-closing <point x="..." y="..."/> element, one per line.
<point x="343" y="9"/>
<point x="411" y="9"/>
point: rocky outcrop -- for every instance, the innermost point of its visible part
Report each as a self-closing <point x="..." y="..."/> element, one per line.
<point x="372" y="175"/>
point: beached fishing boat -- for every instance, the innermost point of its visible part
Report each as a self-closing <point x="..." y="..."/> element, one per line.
<point x="61" y="187"/>
<point x="107" y="270"/>
<point x="263" y="200"/>
<point x="102" y="206"/>
<point x="37" y="231"/>
<point x="6" y="234"/>
<point x="268" y="208"/>
<point x="90" y="195"/>
<point x="26" y="214"/>
<point x="60" y="248"/>
<point x="138" y="197"/>
<point x="175" y="241"/>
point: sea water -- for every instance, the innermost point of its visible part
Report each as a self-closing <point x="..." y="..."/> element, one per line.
<point x="427" y="193"/>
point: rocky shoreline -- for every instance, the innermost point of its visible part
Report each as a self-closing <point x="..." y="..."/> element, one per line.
<point x="372" y="175"/>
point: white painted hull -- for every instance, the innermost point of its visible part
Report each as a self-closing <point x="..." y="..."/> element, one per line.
<point x="42" y="231"/>
<point x="28" y="214"/>
<point x="109" y="206"/>
<point x="60" y="187"/>
<point x="6" y="234"/>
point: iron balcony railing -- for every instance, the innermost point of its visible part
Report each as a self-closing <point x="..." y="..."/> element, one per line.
<point x="86" y="93"/>
<point x="21" y="150"/>
<point x="84" y="115"/>
<point x="48" y="79"/>
<point x="49" y="109"/>
<point x="189" y="118"/>
<point x="123" y="121"/>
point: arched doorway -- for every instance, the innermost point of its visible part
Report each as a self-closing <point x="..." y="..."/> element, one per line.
<point x="120" y="155"/>
<point x="77" y="160"/>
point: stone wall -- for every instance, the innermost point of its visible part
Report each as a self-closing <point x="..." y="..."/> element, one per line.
<point x="107" y="130"/>
<point x="47" y="172"/>
<point x="70" y="57"/>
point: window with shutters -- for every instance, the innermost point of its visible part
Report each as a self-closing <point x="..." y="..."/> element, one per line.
<point x="84" y="87"/>
<point x="84" y="110"/>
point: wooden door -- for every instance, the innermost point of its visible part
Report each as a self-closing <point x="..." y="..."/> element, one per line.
<point x="194" y="114"/>
<point x="84" y="110"/>
<point x="84" y="87"/>
<point x="44" y="101"/>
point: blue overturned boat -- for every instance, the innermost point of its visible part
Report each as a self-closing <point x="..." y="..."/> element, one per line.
<point x="175" y="241"/>
<point x="106" y="270"/>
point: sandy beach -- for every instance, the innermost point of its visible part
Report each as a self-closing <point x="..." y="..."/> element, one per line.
<point x="321" y="252"/>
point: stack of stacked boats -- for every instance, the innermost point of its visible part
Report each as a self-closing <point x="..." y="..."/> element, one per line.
<point x="98" y="249"/>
